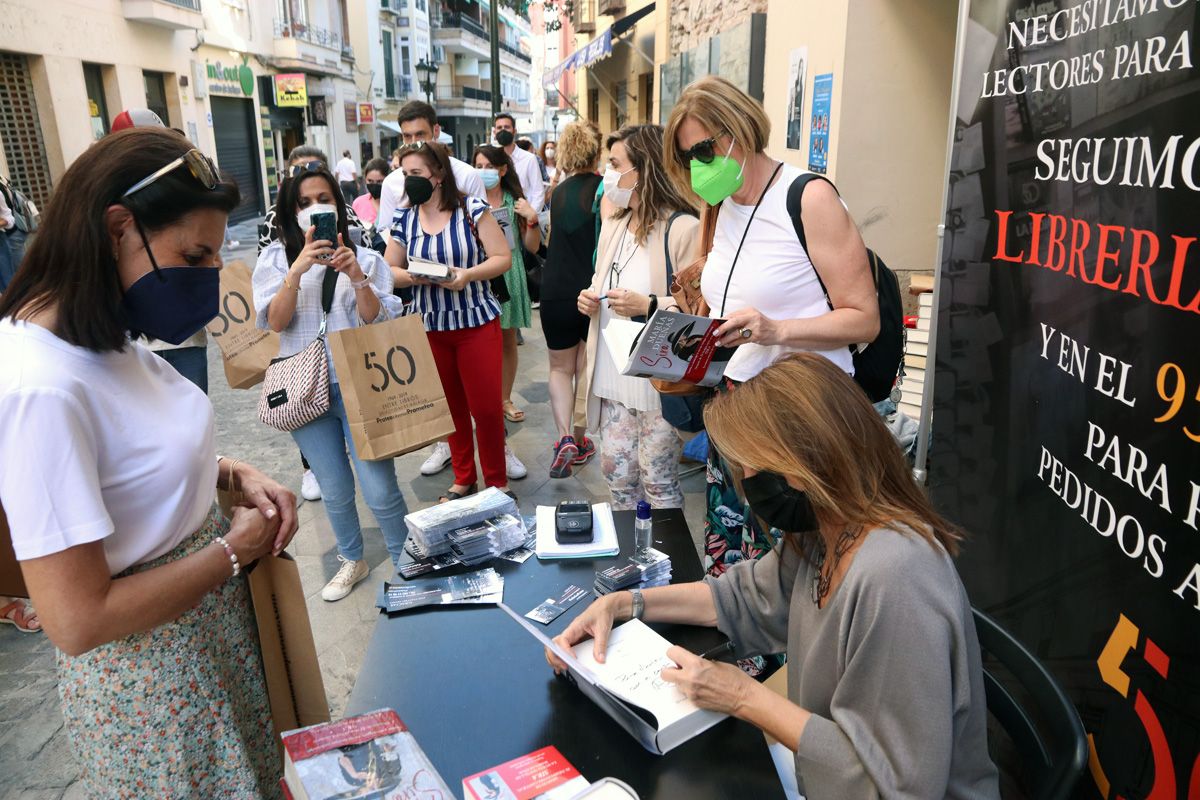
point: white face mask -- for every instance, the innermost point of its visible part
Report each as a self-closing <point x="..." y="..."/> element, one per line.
<point x="616" y="195"/>
<point x="304" y="218"/>
<point x="549" y="152"/>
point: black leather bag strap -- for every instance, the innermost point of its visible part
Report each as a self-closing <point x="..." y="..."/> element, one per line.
<point x="328" y="284"/>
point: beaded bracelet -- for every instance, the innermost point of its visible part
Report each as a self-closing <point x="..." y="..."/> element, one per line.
<point x="233" y="559"/>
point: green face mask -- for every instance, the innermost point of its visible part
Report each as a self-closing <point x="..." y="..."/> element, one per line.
<point x="717" y="180"/>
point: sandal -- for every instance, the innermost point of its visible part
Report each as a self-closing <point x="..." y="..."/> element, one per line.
<point x="512" y="413"/>
<point x="453" y="495"/>
<point x="20" y="614"/>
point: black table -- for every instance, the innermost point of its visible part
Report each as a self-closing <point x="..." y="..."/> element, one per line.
<point x="475" y="689"/>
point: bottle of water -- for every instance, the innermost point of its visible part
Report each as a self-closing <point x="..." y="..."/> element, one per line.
<point x="643" y="538"/>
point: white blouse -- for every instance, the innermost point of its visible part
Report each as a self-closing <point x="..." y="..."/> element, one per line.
<point x="631" y="271"/>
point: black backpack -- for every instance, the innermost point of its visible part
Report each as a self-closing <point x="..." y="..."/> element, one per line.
<point x="875" y="365"/>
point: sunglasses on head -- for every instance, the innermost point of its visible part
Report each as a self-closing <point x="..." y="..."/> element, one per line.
<point x="309" y="166"/>
<point x="199" y="165"/>
<point x="703" y="151"/>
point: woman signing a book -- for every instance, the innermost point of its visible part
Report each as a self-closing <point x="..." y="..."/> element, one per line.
<point x="109" y="475"/>
<point x="885" y="685"/>
<point x="646" y="224"/>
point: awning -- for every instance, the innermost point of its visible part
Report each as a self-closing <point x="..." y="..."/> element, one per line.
<point x="597" y="49"/>
<point x="388" y="126"/>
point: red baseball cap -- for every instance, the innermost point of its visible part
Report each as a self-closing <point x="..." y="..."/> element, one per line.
<point x="137" y="118"/>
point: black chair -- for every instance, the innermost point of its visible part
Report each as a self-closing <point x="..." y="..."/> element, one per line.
<point x="1052" y="763"/>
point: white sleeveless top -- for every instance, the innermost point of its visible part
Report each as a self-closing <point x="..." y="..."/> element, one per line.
<point x="773" y="274"/>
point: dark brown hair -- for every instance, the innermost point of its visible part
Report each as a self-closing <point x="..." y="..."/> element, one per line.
<point x="377" y="165"/>
<point x="287" y="206"/>
<point x="813" y="423"/>
<point x="496" y="156"/>
<point x="437" y="158"/>
<point x="71" y="263"/>
<point x="416" y="109"/>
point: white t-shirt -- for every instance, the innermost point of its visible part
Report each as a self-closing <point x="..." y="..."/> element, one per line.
<point x="773" y="274"/>
<point x="529" y="172"/>
<point x="345" y="170"/>
<point x="608" y="382"/>
<point x="392" y="196"/>
<point x="115" y="447"/>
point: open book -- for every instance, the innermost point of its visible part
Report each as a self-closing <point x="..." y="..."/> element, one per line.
<point x="678" y="347"/>
<point x="628" y="685"/>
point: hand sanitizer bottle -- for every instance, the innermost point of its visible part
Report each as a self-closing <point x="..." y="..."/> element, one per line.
<point x="643" y="538"/>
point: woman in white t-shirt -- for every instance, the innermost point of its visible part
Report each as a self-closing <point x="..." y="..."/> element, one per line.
<point x="758" y="277"/>
<point x="645" y="219"/>
<point x="109" y="475"/>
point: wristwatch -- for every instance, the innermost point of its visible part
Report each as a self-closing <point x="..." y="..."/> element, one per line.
<point x="639" y="604"/>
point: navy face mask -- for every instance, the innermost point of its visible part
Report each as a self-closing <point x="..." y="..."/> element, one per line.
<point x="173" y="303"/>
<point x="778" y="504"/>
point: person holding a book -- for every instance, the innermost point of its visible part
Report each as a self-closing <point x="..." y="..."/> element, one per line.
<point x="109" y="476"/>
<point x="758" y="277"/>
<point x="566" y="271"/>
<point x="461" y="313"/>
<point x="648" y="231"/>
<point x="885" y="683"/>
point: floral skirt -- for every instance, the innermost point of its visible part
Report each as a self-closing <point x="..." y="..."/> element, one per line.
<point x="179" y="711"/>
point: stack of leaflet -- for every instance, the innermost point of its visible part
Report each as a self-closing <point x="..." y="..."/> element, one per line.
<point x="643" y="570"/>
<point x="483" y="541"/>
<point x="429" y="529"/>
<point x="484" y="586"/>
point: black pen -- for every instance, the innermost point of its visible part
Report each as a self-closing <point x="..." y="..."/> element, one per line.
<point x="719" y="650"/>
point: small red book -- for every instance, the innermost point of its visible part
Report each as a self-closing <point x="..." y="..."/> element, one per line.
<point x="543" y="773"/>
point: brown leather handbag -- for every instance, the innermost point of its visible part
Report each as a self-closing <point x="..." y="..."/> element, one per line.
<point x="685" y="288"/>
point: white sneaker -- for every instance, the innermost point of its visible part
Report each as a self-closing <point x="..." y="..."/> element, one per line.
<point x="309" y="488"/>
<point x="438" y="460"/>
<point x="513" y="466"/>
<point x="350" y="573"/>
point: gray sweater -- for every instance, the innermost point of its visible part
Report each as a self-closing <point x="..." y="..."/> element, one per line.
<point x="889" y="669"/>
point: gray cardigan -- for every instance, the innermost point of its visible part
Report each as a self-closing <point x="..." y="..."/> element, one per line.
<point x="889" y="669"/>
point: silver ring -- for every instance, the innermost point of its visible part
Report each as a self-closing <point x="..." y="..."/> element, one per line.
<point x="746" y="333"/>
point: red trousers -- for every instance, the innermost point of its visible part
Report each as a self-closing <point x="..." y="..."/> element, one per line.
<point x="468" y="363"/>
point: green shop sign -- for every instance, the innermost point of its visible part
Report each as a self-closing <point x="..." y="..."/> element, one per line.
<point x="229" y="80"/>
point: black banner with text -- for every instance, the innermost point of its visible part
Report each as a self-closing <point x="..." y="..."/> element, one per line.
<point x="1066" y="426"/>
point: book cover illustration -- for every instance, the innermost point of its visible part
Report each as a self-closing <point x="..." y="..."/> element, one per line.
<point x="679" y="347"/>
<point x="543" y="774"/>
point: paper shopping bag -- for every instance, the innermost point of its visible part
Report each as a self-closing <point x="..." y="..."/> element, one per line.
<point x="390" y="388"/>
<point x="245" y="349"/>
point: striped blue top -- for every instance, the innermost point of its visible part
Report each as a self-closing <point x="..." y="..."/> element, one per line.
<point x="442" y="309"/>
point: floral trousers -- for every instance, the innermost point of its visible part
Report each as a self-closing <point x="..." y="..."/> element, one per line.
<point x="640" y="457"/>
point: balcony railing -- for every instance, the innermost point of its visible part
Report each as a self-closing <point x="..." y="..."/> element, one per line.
<point x="191" y="5"/>
<point x="308" y="33"/>
<point x="457" y="20"/>
<point x="463" y="93"/>
<point x="508" y="48"/>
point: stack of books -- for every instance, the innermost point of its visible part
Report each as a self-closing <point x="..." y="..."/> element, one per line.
<point x="429" y="529"/>
<point x="371" y="755"/>
<point x="483" y="541"/>
<point x="642" y="570"/>
<point x="916" y="350"/>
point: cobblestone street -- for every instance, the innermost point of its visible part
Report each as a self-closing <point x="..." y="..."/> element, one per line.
<point x="35" y="759"/>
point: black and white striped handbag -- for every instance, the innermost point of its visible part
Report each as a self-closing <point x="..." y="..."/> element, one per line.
<point x="295" y="390"/>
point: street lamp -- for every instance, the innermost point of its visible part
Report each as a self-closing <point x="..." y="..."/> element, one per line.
<point x="554" y="122"/>
<point x="429" y="70"/>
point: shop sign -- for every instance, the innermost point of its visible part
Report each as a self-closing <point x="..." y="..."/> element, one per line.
<point x="366" y="113"/>
<point x="1066" y="419"/>
<point x="229" y="81"/>
<point x="318" y="111"/>
<point x="291" y="90"/>
<point x="351" y="111"/>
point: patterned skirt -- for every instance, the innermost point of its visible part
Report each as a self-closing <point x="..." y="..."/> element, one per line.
<point x="179" y="711"/>
<point x="518" y="311"/>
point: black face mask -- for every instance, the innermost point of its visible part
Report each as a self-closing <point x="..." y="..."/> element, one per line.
<point x="418" y="189"/>
<point x="778" y="504"/>
<point x="505" y="138"/>
<point x="375" y="189"/>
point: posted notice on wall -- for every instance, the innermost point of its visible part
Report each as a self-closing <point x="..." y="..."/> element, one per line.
<point x="1066" y="422"/>
<point x="818" y="136"/>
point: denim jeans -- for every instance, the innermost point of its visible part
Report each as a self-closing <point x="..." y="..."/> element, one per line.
<point x="190" y="362"/>
<point x="327" y="445"/>
<point x="8" y="266"/>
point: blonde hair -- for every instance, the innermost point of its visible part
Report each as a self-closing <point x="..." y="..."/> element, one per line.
<point x="578" y="148"/>
<point x="806" y="419"/>
<point x="657" y="193"/>
<point x="722" y="109"/>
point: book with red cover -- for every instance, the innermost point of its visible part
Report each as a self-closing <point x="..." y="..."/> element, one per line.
<point x="544" y="774"/>
<point x="371" y="755"/>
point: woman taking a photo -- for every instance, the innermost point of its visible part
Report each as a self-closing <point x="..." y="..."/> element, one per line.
<point x="566" y="272"/>
<point x="366" y="206"/>
<point x="287" y="295"/>
<point x="504" y="192"/>
<point x="461" y="314"/>
<point x="109" y="475"/>
<point x="645" y="221"/>
<point x="758" y="277"/>
<point x="885" y="687"/>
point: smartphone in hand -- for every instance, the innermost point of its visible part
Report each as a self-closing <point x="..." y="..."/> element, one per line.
<point x="326" y="228"/>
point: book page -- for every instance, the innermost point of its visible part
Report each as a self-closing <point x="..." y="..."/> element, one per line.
<point x="632" y="671"/>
